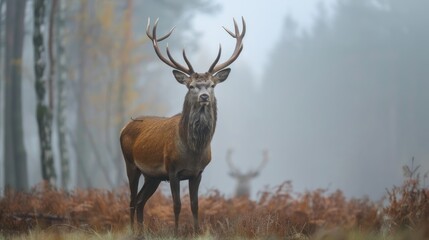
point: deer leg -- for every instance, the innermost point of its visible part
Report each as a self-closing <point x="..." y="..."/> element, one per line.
<point x="149" y="187"/>
<point x="194" y="184"/>
<point x="175" y="192"/>
<point x="133" y="174"/>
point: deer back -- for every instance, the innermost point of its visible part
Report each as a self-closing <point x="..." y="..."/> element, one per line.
<point x="148" y="141"/>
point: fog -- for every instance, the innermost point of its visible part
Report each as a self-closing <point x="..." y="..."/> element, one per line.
<point x="335" y="91"/>
<point x="341" y="101"/>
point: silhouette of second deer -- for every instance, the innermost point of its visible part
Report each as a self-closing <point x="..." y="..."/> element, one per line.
<point x="243" y="178"/>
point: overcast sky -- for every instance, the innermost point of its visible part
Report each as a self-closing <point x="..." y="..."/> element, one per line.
<point x="264" y="20"/>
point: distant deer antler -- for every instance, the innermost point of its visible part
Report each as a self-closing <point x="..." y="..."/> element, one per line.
<point x="235" y="172"/>
<point x="256" y="172"/>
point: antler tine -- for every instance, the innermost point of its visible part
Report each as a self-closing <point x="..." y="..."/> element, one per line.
<point x="244" y="28"/>
<point x="229" y="161"/>
<point x="238" y="48"/>
<point x="217" y="59"/>
<point x="264" y="159"/>
<point x="187" y="62"/>
<point x="156" y="23"/>
<point x="180" y="67"/>
<point x="230" y="33"/>
<point x="170" y="62"/>
<point x="236" y="28"/>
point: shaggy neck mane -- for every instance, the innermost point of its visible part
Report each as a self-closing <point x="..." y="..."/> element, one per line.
<point x="197" y="125"/>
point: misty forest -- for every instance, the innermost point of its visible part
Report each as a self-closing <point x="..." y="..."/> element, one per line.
<point x="327" y="139"/>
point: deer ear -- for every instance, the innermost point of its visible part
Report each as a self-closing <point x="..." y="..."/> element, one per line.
<point x="180" y="77"/>
<point x="222" y="75"/>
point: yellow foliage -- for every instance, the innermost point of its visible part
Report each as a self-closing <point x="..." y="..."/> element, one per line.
<point x="113" y="55"/>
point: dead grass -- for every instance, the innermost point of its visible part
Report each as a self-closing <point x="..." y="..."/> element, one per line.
<point x="49" y="213"/>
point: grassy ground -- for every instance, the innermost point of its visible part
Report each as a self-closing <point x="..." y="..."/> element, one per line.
<point x="336" y="234"/>
<point x="279" y="213"/>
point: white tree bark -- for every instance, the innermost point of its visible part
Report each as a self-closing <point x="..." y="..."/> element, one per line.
<point x="44" y="112"/>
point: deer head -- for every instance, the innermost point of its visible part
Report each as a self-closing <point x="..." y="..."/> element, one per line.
<point x="200" y="85"/>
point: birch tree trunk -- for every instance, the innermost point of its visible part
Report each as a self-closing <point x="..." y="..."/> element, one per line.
<point x="43" y="112"/>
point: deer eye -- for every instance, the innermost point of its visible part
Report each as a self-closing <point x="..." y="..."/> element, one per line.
<point x="191" y="87"/>
<point x="212" y="86"/>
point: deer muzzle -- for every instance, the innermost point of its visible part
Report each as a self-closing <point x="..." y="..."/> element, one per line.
<point x="203" y="98"/>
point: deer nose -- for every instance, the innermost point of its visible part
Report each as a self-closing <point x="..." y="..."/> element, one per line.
<point x="204" y="97"/>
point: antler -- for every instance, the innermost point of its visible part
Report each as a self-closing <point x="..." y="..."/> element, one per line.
<point x="264" y="159"/>
<point x="255" y="172"/>
<point x="238" y="47"/>
<point x="170" y="61"/>
<point x="234" y="170"/>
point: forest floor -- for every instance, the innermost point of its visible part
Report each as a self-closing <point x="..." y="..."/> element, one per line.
<point x="279" y="213"/>
<point x="126" y="235"/>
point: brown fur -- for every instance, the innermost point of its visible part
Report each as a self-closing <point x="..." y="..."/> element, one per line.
<point x="173" y="149"/>
<point x="168" y="144"/>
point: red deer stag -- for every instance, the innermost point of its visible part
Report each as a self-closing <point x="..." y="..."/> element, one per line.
<point x="176" y="148"/>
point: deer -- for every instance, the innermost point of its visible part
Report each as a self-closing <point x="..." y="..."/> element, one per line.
<point x="243" y="179"/>
<point x="176" y="148"/>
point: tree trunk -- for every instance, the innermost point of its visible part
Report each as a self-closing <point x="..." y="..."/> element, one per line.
<point x="44" y="112"/>
<point x="2" y="39"/>
<point x="14" y="151"/>
<point x="61" y="97"/>
<point x="82" y="143"/>
<point x="2" y="44"/>
<point x="124" y="76"/>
